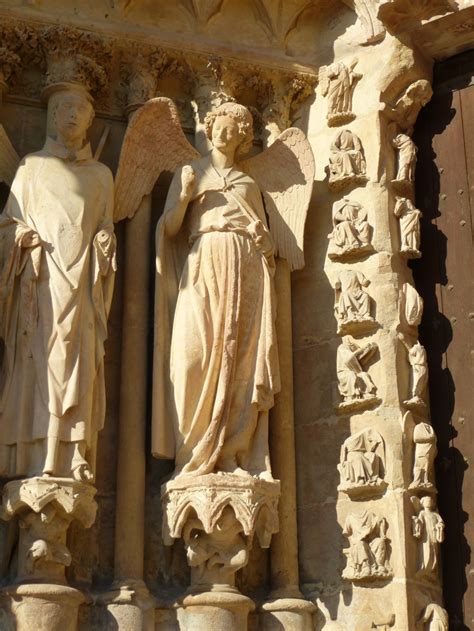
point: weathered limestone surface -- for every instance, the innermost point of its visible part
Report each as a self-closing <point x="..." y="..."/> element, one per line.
<point x="302" y="492"/>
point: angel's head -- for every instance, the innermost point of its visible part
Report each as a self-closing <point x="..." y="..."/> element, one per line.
<point x="230" y="127"/>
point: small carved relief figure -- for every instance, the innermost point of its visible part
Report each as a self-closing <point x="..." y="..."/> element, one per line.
<point x="435" y="618"/>
<point x="346" y="162"/>
<point x="59" y="281"/>
<point x="409" y="217"/>
<point x="362" y="462"/>
<point x="355" y="384"/>
<point x="338" y="83"/>
<point x="428" y="528"/>
<point x="425" y="453"/>
<point x="351" y="233"/>
<point x="369" y="551"/>
<point x="405" y="110"/>
<point x="411" y="305"/>
<point x="419" y="373"/>
<point x="352" y="303"/>
<point x="406" y="159"/>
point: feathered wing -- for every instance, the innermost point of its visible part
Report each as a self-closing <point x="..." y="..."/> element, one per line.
<point x="9" y="159"/>
<point x="154" y="142"/>
<point x="285" y="174"/>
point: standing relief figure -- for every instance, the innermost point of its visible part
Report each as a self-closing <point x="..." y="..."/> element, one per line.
<point x="409" y="219"/>
<point x="338" y="83"/>
<point x="216" y="366"/>
<point x="434" y="618"/>
<point x="424" y="439"/>
<point x="419" y="373"/>
<point x="406" y="161"/>
<point x="352" y="234"/>
<point x="352" y="302"/>
<point x="428" y="528"/>
<point x="57" y="283"/>
<point x="347" y="164"/>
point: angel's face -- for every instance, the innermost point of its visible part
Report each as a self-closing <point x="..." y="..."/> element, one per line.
<point x="73" y="117"/>
<point x="225" y="134"/>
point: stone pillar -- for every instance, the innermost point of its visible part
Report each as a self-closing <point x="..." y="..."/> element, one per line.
<point x="45" y="507"/>
<point x="10" y="64"/>
<point x="218" y="517"/>
<point x="286" y="604"/>
<point x="131" y="605"/>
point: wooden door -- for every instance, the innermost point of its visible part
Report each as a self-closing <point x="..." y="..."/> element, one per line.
<point x="445" y="279"/>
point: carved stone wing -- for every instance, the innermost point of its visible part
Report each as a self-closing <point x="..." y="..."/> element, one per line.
<point x="154" y="142"/>
<point x="9" y="159"/>
<point x="285" y="174"/>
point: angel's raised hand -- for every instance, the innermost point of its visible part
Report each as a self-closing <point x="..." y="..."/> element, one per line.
<point x="188" y="177"/>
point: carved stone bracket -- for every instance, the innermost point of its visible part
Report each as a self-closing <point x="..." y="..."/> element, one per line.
<point x="218" y="515"/>
<point x="398" y="15"/>
<point x="46" y="507"/>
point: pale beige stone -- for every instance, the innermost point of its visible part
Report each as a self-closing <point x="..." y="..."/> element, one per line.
<point x="362" y="464"/>
<point x="369" y="549"/>
<point x="351" y="237"/>
<point x="425" y="453"/>
<point x="338" y="83"/>
<point x="58" y="374"/>
<point x="352" y="303"/>
<point x="409" y="217"/>
<point x="347" y="164"/>
<point x="355" y="384"/>
<point x="428" y="528"/>
<point x="435" y="618"/>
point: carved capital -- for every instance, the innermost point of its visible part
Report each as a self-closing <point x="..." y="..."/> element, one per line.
<point x="140" y="70"/>
<point x="218" y="515"/>
<point x="74" y="56"/>
<point x="46" y="507"/>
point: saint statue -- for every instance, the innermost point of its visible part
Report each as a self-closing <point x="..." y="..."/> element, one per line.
<point x="58" y="249"/>
<point x="355" y="384"/>
<point x="362" y="460"/>
<point x="406" y="158"/>
<point x="352" y="302"/>
<point x="409" y="217"/>
<point x="368" y="554"/>
<point x="216" y="368"/>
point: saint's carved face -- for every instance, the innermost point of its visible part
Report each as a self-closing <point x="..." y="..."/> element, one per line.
<point x="225" y="134"/>
<point x="73" y="117"/>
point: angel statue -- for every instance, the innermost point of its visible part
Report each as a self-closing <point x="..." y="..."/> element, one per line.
<point x="216" y="368"/>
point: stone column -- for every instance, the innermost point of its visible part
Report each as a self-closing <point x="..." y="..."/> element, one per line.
<point x="286" y="605"/>
<point x="45" y="507"/>
<point x="10" y="64"/>
<point x="130" y="603"/>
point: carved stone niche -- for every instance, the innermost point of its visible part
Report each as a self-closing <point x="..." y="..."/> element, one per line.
<point x="352" y="303"/>
<point x="362" y="464"/>
<point x="355" y="385"/>
<point x="218" y="515"/>
<point x="347" y="166"/>
<point x="45" y="508"/>
<point x="368" y="555"/>
<point x="351" y="237"/>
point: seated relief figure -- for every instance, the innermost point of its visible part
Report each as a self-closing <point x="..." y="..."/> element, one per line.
<point x="58" y="250"/>
<point x="216" y="366"/>
<point x="355" y="384"/>
<point x="351" y="233"/>
<point x="369" y="550"/>
<point x="346" y="161"/>
<point x="362" y="462"/>
<point x="352" y="302"/>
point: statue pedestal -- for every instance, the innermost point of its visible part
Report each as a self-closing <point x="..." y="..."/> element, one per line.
<point x="45" y="507"/>
<point x="218" y="515"/>
<point x="288" y="613"/>
<point x="214" y="611"/>
<point x="44" y="607"/>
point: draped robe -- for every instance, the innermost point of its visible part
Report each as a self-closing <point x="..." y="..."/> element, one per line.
<point x="55" y="299"/>
<point x="216" y="362"/>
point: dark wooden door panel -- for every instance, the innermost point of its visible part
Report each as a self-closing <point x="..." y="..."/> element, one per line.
<point x="445" y="279"/>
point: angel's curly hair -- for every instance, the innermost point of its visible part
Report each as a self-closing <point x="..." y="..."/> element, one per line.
<point x="241" y="115"/>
